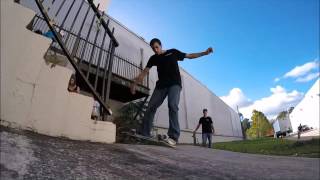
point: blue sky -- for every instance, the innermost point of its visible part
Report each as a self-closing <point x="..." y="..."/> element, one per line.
<point x="255" y="42"/>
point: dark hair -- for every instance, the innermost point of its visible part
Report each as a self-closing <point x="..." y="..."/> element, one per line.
<point x="205" y="110"/>
<point x="155" y="40"/>
<point x="73" y="76"/>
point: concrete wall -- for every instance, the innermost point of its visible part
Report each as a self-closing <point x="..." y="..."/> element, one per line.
<point x="34" y="96"/>
<point x="137" y="50"/>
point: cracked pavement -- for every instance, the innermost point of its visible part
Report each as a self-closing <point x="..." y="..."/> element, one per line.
<point x="26" y="155"/>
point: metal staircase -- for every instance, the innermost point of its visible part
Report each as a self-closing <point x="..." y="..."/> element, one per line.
<point x="81" y="34"/>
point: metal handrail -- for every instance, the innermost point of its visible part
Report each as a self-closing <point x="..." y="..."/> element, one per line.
<point x="38" y="25"/>
<point x="104" y="24"/>
<point x="58" y="39"/>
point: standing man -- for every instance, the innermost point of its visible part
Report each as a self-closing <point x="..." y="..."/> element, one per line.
<point x="168" y="84"/>
<point x="207" y="128"/>
<point x="299" y="131"/>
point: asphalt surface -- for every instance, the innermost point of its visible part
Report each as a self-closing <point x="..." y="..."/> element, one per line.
<point x="26" y="155"/>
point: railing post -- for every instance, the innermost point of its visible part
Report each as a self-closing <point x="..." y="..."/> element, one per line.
<point x="77" y="42"/>
<point x="59" y="9"/>
<point x="99" y="61"/>
<point x="87" y="40"/>
<point x="148" y="80"/>
<point x="65" y="18"/>
<point x="110" y="64"/>
<point x="105" y="68"/>
<point x="73" y="22"/>
<point x="92" y="51"/>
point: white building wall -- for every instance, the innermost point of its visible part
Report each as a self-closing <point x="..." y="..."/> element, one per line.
<point x="307" y="111"/>
<point x="34" y="95"/>
<point x="104" y="4"/>
<point x="194" y="98"/>
<point x="194" y="95"/>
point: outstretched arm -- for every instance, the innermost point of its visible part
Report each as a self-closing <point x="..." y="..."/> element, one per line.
<point x="138" y="79"/>
<point x="196" y="128"/>
<point x="196" y="55"/>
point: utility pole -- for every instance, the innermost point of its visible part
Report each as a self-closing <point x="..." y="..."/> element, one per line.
<point x="241" y="119"/>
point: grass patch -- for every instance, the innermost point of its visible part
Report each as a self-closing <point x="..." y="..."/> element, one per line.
<point x="271" y="146"/>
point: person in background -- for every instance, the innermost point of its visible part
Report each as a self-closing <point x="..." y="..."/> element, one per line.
<point x="72" y="86"/>
<point x="299" y="131"/>
<point x="96" y="110"/>
<point x="207" y="128"/>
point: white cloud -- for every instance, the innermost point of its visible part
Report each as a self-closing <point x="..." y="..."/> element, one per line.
<point x="302" y="70"/>
<point x="308" y="77"/>
<point x="278" y="101"/>
<point x="276" y="79"/>
<point x="236" y="98"/>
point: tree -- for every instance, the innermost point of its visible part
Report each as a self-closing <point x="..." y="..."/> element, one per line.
<point x="260" y="125"/>
<point x="245" y="124"/>
<point x="290" y="110"/>
<point x="282" y="115"/>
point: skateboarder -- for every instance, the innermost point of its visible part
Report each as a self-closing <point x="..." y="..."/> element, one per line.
<point x="207" y="128"/>
<point x="168" y="84"/>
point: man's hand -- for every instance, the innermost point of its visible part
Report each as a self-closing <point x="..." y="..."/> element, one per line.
<point x="138" y="79"/>
<point x="196" y="55"/>
<point x="208" y="51"/>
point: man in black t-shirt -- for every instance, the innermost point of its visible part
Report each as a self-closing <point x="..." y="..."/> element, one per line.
<point x="207" y="128"/>
<point x="168" y="85"/>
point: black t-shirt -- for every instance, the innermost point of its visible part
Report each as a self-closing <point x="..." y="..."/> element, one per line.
<point x="206" y="123"/>
<point x="167" y="67"/>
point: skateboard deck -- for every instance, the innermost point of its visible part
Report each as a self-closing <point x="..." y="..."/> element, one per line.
<point x="195" y="139"/>
<point x="150" y="140"/>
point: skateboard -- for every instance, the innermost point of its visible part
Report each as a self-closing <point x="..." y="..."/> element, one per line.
<point x="159" y="140"/>
<point x="195" y="139"/>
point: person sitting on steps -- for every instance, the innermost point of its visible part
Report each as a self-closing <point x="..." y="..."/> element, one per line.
<point x="72" y="86"/>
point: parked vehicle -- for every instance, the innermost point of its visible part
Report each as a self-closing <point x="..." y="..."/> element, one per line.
<point x="282" y="128"/>
<point x="305" y="128"/>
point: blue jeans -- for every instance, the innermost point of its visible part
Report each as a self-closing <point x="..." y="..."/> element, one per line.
<point x="206" y="136"/>
<point x="157" y="98"/>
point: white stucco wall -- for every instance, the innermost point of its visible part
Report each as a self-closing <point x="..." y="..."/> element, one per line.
<point x="307" y="111"/>
<point x="34" y="96"/>
<point x="194" y="96"/>
<point x="104" y="4"/>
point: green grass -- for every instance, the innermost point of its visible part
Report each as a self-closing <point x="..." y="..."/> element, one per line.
<point x="271" y="146"/>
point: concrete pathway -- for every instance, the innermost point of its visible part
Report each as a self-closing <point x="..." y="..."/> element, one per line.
<point x="33" y="156"/>
<point x="314" y="133"/>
